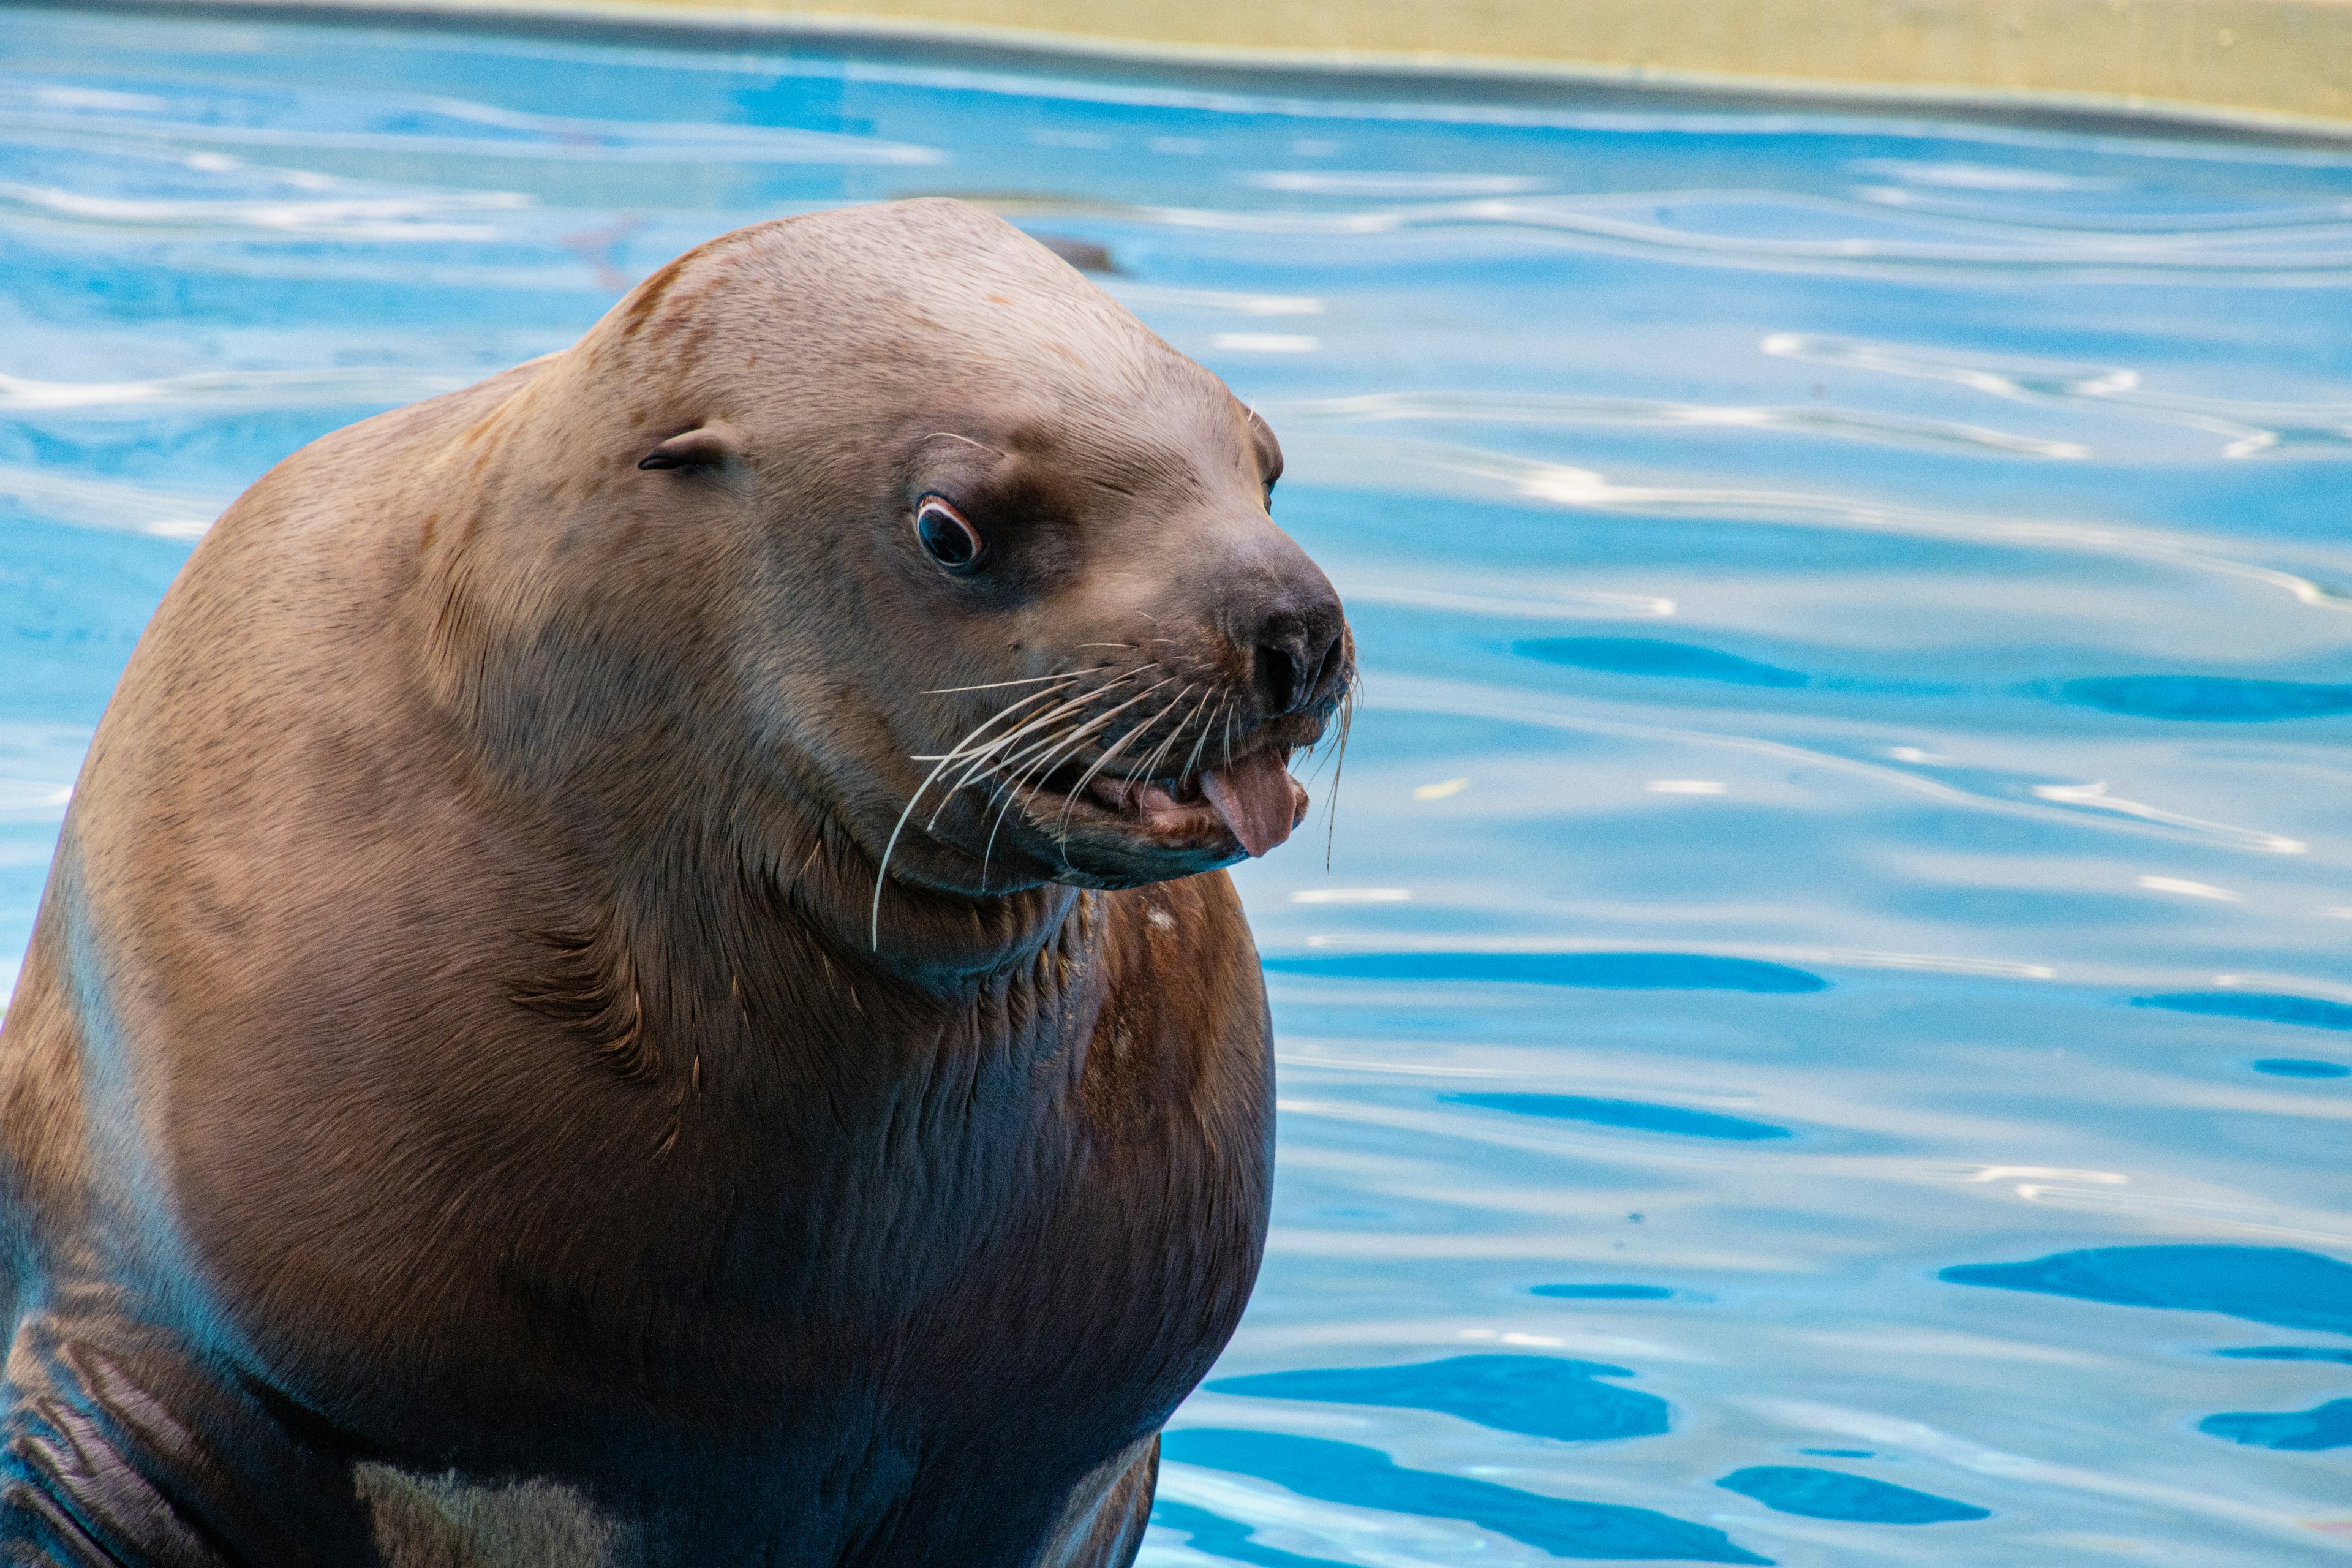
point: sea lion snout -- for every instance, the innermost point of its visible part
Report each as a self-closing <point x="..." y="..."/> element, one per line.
<point x="1285" y="613"/>
<point x="1244" y="662"/>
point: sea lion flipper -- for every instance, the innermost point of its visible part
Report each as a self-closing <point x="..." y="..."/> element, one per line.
<point x="69" y="1495"/>
<point x="1103" y="1526"/>
<point x="109" y="1455"/>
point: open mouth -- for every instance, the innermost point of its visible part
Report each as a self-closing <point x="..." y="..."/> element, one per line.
<point x="1254" y="800"/>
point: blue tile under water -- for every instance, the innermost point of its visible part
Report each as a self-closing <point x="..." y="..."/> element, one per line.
<point x="1850" y="605"/>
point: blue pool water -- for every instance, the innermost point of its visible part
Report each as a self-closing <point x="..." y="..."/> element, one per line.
<point x="1822" y="1038"/>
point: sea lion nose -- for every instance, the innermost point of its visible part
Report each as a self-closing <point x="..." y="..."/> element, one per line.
<point x="1298" y="645"/>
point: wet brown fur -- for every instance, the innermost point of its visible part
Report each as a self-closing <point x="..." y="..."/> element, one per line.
<point x="452" y="1044"/>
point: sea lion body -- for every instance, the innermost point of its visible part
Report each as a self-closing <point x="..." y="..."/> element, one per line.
<point x="467" y="1101"/>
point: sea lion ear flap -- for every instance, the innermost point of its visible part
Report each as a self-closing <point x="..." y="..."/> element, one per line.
<point x="704" y="446"/>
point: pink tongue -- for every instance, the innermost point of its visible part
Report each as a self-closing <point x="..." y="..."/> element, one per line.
<point x="1258" y="799"/>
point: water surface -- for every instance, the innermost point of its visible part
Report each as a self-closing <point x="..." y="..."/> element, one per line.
<point x="1821" y="1037"/>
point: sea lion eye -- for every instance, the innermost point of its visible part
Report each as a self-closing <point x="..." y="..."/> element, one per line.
<point x="953" y="543"/>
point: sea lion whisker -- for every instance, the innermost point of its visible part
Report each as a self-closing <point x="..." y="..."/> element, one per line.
<point x="988" y="851"/>
<point x="1339" y="766"/>
<point x="1161" y="753"/>
<point x="965" y="749"/>
<point x="1320" y="753"/>
<point x="983" y="757"/>
<point x="1032" y="762"/>
<point x="995" y="684"/>
<point x="1011" y="787"/>
<point x="957" y="752"/>
<point x="994" y="750"/>
<point x="1175" y="732"/>
<point x="1030" y="724"/>
<point x="1008" y="792"/>
<point x="1000" y="763"/>
<point x="1222" y="702"/>
<point x="882" y="869"/>
<point x="1075" y="703"/>
<point x="951" y="436"/>
<point x="1101" y="718"/>
<point x="1070" y="802"/>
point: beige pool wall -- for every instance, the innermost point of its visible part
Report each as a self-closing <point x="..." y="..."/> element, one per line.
<point x="2282" y="63"/>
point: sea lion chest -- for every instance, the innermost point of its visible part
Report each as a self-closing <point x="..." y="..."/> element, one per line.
<point x="907" y="1305"/>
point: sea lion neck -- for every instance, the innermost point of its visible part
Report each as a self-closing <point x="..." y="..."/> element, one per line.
<point x="690" y="897"/>
<point x="941" y="944"/>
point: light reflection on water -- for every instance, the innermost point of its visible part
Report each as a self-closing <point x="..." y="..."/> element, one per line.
<point x="1823" y="1037"/>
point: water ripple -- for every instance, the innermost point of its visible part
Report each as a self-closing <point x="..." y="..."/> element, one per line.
<point x="2251" y="429"/>
<point x="2083" y="803"/>
<point x="422" y="126"/>
<point x="1626" y="225"/>
<point x="1568" y="409"/>
<point x="1540" y="1396"/>
<point x="107" y="503"/>
<point x="1456" y="468"/>
<point x="1350" y="1473"/>
<point x="322" y="387"/>
<point x="1835" y="1494"/>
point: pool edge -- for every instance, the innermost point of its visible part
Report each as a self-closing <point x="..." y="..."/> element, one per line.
<point x="1415" y="73"/>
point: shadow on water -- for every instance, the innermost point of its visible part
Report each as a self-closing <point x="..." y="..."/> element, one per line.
<point x="2208" y="698"/>
<point x="2276" y="1285"/>
<point x="1647" y="656"/>
<point x="2262" y="1284"/>
<point x="1833" y="1494"/>
<point x="1636" y="1115"/>
<point x="2262" y="1007"/>
<point x="1358" y="1477"/>
<point x="2327" y="1425"/>
<point x="1230" y="1539"/>
<point x="1605" y="1292"/>
<point x="1541" y="1397"/>
<point x="2299" y="1067"/>
<point x="1599" y="971"/>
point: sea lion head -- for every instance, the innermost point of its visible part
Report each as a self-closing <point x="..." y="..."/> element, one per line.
<point x="889" y="510"/>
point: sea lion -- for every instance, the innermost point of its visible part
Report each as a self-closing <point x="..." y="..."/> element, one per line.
<point x="638" y="972"/>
